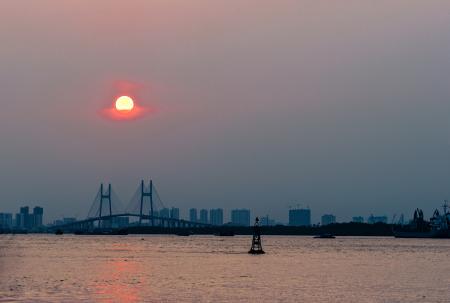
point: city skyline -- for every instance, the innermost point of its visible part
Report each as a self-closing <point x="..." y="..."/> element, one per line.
<point x="235" y="217"/>
<point x="315" y="216"/>
<point x="214" y="216"/>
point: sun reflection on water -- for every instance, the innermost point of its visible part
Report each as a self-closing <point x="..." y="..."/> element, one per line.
<point x="120" y="281"/>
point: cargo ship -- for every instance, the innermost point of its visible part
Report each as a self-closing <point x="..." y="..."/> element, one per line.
<point x="437" y="227"/>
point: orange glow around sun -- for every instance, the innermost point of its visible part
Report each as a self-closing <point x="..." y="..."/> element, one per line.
<point x="124" y="103"/>
<point x="125" y="108"/>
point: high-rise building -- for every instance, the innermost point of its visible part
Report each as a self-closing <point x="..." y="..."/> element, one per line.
<point x="240" y="217"/>
<point x="164" y="213"/>
<point x="25" y="210"/>
<point x="193" y="215"/>
<point x="328" y="219"/>
<point x="358" y="219"/>
<point x="6" y="220"/>
<point x="175" y="213"/>
<point x="38" y="213"/>
<point x="23" y="218"/>
<point x="377" y="219"/>
<point x="18" y="222"/>
<point x="300" y="217"/>
<point x="203" y="216"/>
<point x="216" y="216"/>
<point x="58" y="222"/>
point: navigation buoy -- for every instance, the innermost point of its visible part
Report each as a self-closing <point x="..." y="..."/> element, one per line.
<point x="256" y="248"/>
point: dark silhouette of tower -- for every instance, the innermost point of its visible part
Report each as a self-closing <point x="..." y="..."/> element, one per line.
<point x="150" y="195"/>
<point x="105" y="196"/>
<point x="256" y="248"/>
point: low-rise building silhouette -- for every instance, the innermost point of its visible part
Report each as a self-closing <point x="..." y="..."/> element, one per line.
<point x="69" y="220"/>
<point x="266" y="221"/>
<point x="328" y="219"/>
<point x="358" y="219"/>
<point x="377" y="219"/>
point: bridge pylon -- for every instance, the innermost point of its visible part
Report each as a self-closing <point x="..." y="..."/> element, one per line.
<point x="144" y="194"/>
<point x="105" y="196"/>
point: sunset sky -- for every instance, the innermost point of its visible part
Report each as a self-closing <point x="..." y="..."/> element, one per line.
<point x="340" y="105"/>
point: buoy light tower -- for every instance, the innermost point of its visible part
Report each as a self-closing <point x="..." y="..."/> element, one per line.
<point x="256" y="248"/>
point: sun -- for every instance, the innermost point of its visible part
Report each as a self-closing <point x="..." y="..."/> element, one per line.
<point x="124" y="103"/>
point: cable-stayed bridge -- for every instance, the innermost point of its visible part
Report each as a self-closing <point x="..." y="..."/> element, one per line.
<point x="145" y="208"/>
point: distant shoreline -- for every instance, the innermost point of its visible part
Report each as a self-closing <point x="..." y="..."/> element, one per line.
<point x="337" y="229"/>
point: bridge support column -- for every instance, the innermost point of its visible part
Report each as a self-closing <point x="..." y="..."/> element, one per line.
<point x="150" y="195"/>
<point x="104" y="196"/>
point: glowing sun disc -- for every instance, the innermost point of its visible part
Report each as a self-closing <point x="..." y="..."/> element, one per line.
<point x="124" y="103"/>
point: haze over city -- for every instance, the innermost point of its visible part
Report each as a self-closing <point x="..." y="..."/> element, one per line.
<point x="243" y="104"/>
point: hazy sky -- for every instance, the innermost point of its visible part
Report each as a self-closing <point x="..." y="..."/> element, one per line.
<point x="340" y="105"/>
